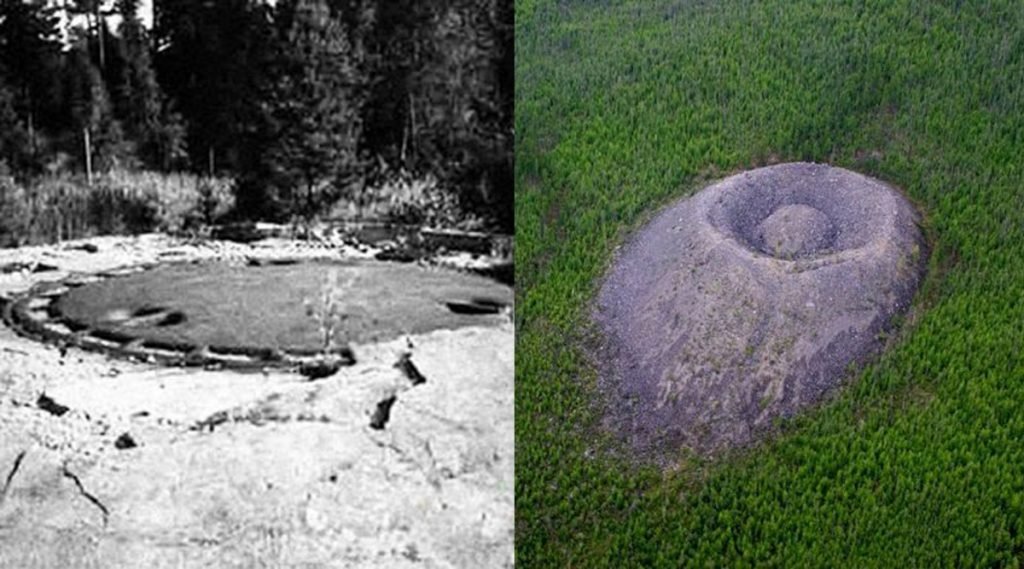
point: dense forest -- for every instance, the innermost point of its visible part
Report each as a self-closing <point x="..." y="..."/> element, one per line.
<point x="300" y="103"/>
<point x="626" y="106"/>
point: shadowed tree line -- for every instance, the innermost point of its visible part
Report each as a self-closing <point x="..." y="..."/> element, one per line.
<point x="303" y="102"/>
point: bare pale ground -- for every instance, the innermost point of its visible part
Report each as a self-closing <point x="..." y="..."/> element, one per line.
<point x="258" y="469"/>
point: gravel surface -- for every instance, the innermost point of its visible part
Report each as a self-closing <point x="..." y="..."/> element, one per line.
<point x="108" y="463"/>
<point x="748" y="301"/>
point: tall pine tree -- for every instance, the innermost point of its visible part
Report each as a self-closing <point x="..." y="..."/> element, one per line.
<point x="315" y="108"/>
<point x="15" y="150"/>
<point x="211" y="60"/>
<point x="157" y="132"/>
<point x="462" y="104"/>
<point x="90" y="110"/>
<point x="30" y="52"/>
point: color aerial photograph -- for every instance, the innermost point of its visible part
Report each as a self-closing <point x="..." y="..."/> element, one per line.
<point x="256" y="284"/>
<point x="770" y="271"/>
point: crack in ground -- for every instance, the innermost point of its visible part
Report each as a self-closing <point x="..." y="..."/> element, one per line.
<point x="430" y="470"/>
<point x="382" y="414"/>
<point x="456" y="425"/>
<point x="81" y="489"/>
<point x="10" y="476"/>
<point x="262" y="414"/>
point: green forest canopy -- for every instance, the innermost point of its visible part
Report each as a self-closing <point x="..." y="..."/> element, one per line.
<point x="622" y="106"/>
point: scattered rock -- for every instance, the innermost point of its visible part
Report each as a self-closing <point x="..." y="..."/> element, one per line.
<point x="454" y="240"/>
<point x="382" y="414"/>
<point x="18" y="267"/>
<point x="87" y="247"/>
<point x="320" y="368"/>
<point x="476" y="306"/>
<point x="400" y="255"/>
<point x="405" y="365"/>
<point x="346" y="355"/>
<point x="50" y="406"/>
<point x="43" y="268"/>
<point x="245" y="232"/>
<point x="172" y="319"/>
<point x="148" y="310"/>
<point x="125" y="441"/>
<point x="198" y="357"/>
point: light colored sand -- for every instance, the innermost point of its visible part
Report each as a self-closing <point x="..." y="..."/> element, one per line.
<point x="293" y="476"/>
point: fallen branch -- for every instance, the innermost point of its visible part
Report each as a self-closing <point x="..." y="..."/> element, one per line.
<point x="88" y="496"/>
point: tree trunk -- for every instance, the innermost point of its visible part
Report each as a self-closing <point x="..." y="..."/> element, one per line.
<point x="99" y="34"/>
<point x="88" y="158"/>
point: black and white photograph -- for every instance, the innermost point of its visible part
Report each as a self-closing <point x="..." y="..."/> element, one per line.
<point x="256" y="284"/>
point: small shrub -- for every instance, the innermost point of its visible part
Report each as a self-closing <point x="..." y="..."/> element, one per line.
<point x="330" y="311"/>
<point x="399" y="197"/>
<point x="216" y="198"/>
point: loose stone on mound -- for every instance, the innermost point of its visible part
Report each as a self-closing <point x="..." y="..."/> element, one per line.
<point x="749" y="300"/>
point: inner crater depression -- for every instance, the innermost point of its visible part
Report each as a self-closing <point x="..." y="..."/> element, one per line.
<point x="749" y="301"/>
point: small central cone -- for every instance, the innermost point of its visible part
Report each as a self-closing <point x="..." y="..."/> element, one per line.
<point x="795" y="231"/>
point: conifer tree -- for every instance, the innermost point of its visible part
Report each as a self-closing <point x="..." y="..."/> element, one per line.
<point x="15" y="150"/>
<point x="90" y="109"/>
<point x="29" y="50"/>
<point x="315" y="107"/>
<point x="157" y="132"/>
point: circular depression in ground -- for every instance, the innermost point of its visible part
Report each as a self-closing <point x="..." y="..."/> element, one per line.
<point x="234" y="307"/>
<point x="750" y="300"/>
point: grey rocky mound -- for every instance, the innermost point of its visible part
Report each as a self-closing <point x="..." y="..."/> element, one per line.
<point x="749" y="301"/>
